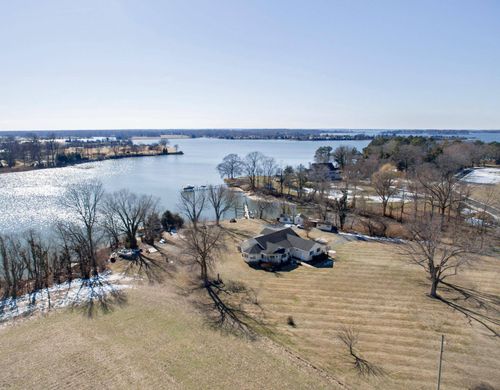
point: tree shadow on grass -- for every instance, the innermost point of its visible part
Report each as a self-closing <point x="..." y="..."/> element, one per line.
<point x="98" y="295"/>
<point x="350" y="337"/>
<point x="477" y="306"/>
<point x="232" y="307"/>
<point x="237" y="234"/>
<point x="154" y="270"/>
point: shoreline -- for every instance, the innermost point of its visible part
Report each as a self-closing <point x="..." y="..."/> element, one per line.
<point x="4" y="171"/>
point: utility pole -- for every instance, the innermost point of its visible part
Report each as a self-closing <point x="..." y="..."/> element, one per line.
<point x="440" y="362"/>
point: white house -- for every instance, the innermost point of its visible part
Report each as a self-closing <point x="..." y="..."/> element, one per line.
<point x="325" y="226"/>
<point x="278" y="246"/>
<point x="300" y="219"/>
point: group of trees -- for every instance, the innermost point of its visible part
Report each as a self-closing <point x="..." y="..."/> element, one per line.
<point x="72" y="250"/>
<point x="262" y="172"/>
<point x="49" y="151"/>
<point x="219" y="199"/>
<point x="32" y="151"/>
<point x="407" y="153"/>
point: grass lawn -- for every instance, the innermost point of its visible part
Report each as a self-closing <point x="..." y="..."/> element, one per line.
<point x="373" y="290"/>
<point x="157" y="339"/>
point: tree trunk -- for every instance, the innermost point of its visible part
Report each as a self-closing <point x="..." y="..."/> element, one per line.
<point x="434" y="286"/>
<point x="133" y="242"/>
<point x="204" y="272"/>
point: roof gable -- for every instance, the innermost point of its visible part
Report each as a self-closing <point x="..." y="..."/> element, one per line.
<point x="273" y="241"/>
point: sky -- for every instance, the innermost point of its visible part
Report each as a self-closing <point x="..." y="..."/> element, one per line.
<point x="109" y="64"/>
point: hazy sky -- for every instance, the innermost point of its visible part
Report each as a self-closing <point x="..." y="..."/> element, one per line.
<point x="207" y="64"/>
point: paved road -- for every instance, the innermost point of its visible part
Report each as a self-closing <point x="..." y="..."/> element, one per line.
<point x="493" y="211"/>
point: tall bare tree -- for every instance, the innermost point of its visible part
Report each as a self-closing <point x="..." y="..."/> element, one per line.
<point x="262" y="205"/>
<point x="129" y="212"/>
<point x="440" y="185"/>
<point x="83" y="201"/>
<point x="269" y="168"/>
<point x="384" y="184"/>
<point x="301" y="179"/>
<point x="221" y="198"/>
<point x="231" y="166"/>
<point x="37" y="259"/>
<point x="192" y="204"/>
<point x="202" y="245"/>
<point x="440" y="253"/>
<point x="12" y="269"/>
<point x="252" y="167"/>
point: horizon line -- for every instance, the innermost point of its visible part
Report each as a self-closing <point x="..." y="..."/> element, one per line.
<point x="258" y="128"/>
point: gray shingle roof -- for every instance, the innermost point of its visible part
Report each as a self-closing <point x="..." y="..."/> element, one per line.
<point x="273" y="241"/>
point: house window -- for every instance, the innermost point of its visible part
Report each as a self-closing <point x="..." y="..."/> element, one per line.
<point x="317" y="250"/>
<point x="311" y="253"/>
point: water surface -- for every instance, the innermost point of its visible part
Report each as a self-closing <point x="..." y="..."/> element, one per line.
<point x="31" y="199"/>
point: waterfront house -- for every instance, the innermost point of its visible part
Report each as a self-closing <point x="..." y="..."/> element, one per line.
<point x="278" y="246"/>
<point x="330" y="170"/>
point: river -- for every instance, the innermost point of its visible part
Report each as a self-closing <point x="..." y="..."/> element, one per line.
<point x="30" y="200"/>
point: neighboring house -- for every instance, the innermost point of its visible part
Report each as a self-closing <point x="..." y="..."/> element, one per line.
<point x="278" y="246"/>
<point x="300" y="219"/>
<point x="325" y="226"/>
<point x="328" y="169"/>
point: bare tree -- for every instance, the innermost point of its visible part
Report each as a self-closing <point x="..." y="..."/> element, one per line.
<point x="342" y="208"/>
<point x="128" y="211"/>
<point x="384" y="184"/>
<point x="36" y="258"/>
<point x="289" y="177"/>
<point x="192" y="204"/>
<point x="440" y="185"/>
<point x="269" y="168"/>
<point x="202" y="244"/>
<point x="12" y="269"/>
<point x="231" y="166"/>
<point x="222" y="199"/>
<point x="319" y="176"/>
<point x="252" y="167"/>
<point x="262" y="205"/>
<point x="51" y="148"/>
<point x="301" y="179"/>
<point x="441" y="254"/>
<point x="84" y="200"/>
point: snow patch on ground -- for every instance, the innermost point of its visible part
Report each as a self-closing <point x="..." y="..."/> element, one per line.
<point x="76" y="293"/>
<point x="363" y="237"/>
<point x="483" y="176"/>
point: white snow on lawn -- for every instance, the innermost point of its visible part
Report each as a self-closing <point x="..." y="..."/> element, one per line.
<point x="364" y="237"/>
<point x="76" y="293"/>
<point x="483" y="176"/>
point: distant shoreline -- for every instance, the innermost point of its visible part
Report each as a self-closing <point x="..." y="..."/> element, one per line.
<point x="4" y="171"/>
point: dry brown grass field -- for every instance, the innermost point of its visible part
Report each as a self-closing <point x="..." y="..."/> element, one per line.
<point x="377" y="293"/>
<point x="158" y="339"/>
<point x="154" y="340"/>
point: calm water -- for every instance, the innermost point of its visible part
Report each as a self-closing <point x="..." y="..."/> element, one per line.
<point x="30" y="199"/>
